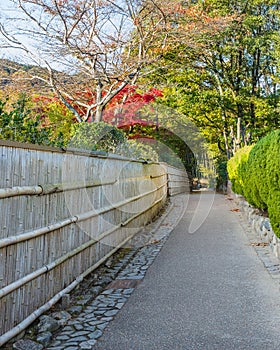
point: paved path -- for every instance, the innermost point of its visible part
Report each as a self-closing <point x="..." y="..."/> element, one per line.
<point x="205" y="290"/>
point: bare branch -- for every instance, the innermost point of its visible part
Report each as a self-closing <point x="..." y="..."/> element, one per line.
<point x="102" y="45"/>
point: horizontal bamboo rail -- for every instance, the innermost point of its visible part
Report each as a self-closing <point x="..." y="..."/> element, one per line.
<point x="77" y="218"/>
<point x="19" y="283"/>
<point x="20" y="191"/>
<point x="51" y="236"/>
<point x="56" y="188"/>
<point x="4" y="242"/>
<point x="37" y="313"/>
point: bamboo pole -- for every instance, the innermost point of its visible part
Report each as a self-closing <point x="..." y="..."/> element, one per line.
<point x="36" y="233"/>
<point x="20" y="191"/>
<point x="32" y="317"/>
<point x="77" y="218"/>
<point x="60" y="187"/>
<point x="19" y="283"/>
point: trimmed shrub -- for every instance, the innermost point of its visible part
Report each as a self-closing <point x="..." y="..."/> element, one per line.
<point x="273" y="204"/>
<point x="233" y="167"/>
<point x="258" y="177"/>
<point x="261" y="173"/>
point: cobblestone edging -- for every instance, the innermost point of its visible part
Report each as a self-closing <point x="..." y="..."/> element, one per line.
<point x="261" y="225"/>
<point x="83" y="331"/>
<point x="85" y="321"/>
<point x="261" y="236"/>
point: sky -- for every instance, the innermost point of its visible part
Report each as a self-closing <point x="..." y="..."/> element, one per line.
<point x="9" y="10"/>
<point x="4" y="3"/>
<point x="6" y="7"/>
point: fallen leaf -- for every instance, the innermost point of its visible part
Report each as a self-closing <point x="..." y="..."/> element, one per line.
<point x="259" y="244"/>
<point x="155" y="241"/>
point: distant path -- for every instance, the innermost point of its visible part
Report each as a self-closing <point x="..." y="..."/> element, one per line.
<point x="206" y="290"/>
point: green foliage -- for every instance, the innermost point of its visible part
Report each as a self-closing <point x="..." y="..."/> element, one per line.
<point x="234" y="166"/>
<point x="18" y="125"/>
<point x="97" y="136"/>
<point x="259" y="177"/>
<point x="54" y="115"/>
<point x="261" y="173"/>
<point x="104" y="137"/>
<point x="221" y="172"/>
<point x="229" y="86"/>
<point x="166" y="133"/>
<point x="254" y="174"/>
<point x="138" y="150"/>
<point x="273" y="204"/>
<point x="55" y="128"/>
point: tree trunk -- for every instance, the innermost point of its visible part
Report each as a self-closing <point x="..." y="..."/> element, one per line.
<point x="226" y="143"/>
<point x="98" y="113"/>
<point x="238" y="133"/>
<point x="99" y="106"/>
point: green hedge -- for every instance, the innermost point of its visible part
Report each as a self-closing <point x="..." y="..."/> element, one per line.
<point x="233" y="167"/>
<point x="255" y="173"/>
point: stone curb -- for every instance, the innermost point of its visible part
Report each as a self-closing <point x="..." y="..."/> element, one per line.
<point x="260" y="224"/>
<point x="261" y="235"/>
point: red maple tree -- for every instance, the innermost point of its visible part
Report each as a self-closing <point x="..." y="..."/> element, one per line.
<point x="124" y="110"/>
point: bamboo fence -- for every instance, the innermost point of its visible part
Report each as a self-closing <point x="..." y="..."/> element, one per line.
<point x="178" y="180"/>
<point x="63" y="213"/>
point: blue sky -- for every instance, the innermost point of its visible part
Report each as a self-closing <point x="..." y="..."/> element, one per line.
<point x="6" y="6"/>
<point x="9" y="10"/>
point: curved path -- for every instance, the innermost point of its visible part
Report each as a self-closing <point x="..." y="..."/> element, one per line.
<point x="205" y="290"/>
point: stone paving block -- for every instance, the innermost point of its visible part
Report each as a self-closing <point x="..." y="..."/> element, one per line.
<point x="78" y="326"/>
<point x="128" y="291"/>
<point x="78" y="334"/>
<point x="111" y="313"/>
<point x="79" y="339"/>
<point x="102" y="326"/>
<point x="56" y="343"/>
<point x="108" y="291"/>
<point x="85" y="345"/>
<point x="62" y="337"/>
<point x="119" y="305"/>
<point x="96" y="322"/>
<point x="96" y="334"/>
<point x="100" y="312"/>
<point x="106" y="319"/>
<point x="68" y="329"/>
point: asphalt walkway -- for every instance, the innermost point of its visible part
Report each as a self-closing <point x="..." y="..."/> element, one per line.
<point x="205" y="290"/>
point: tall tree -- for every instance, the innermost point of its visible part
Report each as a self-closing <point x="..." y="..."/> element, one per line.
<point x="95" y="46"/>
<point x="229" y="81"/>
<point x="101" y="46"/>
